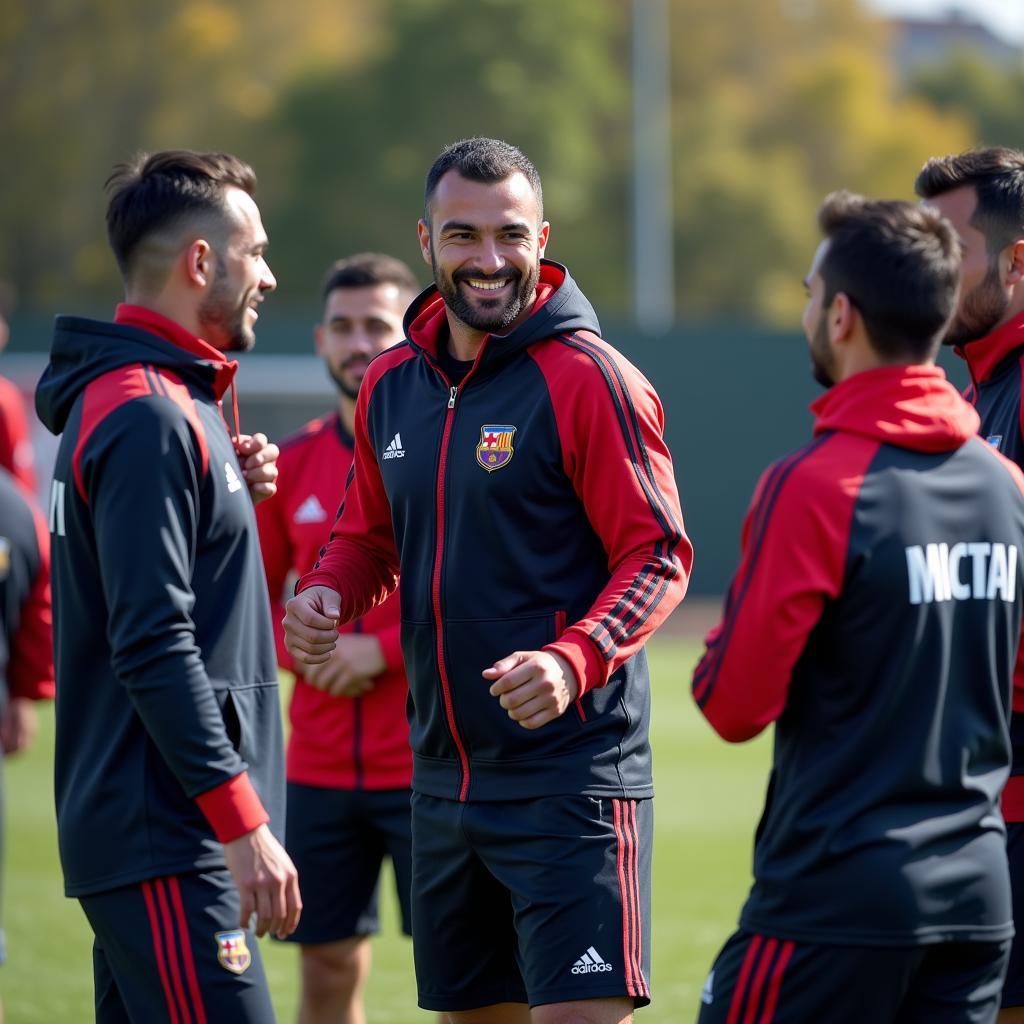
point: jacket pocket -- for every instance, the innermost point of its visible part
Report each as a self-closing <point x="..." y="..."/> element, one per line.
<point x="488" y="733"/>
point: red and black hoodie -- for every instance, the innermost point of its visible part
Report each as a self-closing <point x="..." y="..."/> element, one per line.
<point x="26" y="642"/>
<point x="996" y="365"/>
<point x="335" y="742"/>
<point x="530" y="506"/>
<point x="168" y="724"/>
<point x="874" y="619"/>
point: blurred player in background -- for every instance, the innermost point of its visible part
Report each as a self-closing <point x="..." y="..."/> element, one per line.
<point x="169" y="749"/>
<point x="349" y="764"/>
<point x="874" y="619"/>
<point x="512" y="465"/>
<point x="15" y="437"/>
<point x="26" y="647"/>
<point x="982" y="194"/>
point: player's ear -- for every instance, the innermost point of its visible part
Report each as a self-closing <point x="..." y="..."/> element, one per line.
<point x="842" y="316"/>
<point x="542" y="237"/>
<point x="199" y="260"/>
<point x="1015" y="262"/>
<point x="423" y="231"/>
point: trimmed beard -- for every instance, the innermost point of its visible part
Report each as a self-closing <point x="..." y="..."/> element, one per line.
<point x="980" y="310"/>
<point x="491" y="321"/>
<point x="822" y="363"/>
<point x="219" y="309"/>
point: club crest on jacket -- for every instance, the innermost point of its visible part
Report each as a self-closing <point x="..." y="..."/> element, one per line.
<point x="495" y="448"/>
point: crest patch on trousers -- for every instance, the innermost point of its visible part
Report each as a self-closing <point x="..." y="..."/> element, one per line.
<point x="232" y="952"/>
<point x="495" y="448"/>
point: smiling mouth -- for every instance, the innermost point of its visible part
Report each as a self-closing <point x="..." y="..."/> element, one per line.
<point x="483" y="285"/>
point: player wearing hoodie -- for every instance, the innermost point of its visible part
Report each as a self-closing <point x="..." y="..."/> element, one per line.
<point x="874" y="619"/>
<point x="511" y="464"/>
<point x="169" y="761"/>
<point x="982" y="195"/>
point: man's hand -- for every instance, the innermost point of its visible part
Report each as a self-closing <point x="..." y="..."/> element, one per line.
<point x="353" y="663"/>
<point x="534" y="687"/>
<point x="311" y="625"/>
<point x="259" y="464"/>
<point x="267" y="882"/>
<point x="18" y="727"/>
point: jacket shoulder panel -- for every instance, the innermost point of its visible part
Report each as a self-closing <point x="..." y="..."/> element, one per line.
<point x="124" y="386"/>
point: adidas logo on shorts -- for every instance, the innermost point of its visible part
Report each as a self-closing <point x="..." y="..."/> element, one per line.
<point x="590" y="963"/>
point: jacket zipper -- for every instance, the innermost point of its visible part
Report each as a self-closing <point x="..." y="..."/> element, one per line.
<point x="561" y="618"/>
<point x="442" y="467"/>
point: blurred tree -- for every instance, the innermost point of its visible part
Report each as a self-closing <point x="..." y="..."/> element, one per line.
<point x="88" y="84"/>
<point x="546" y="77"/>
<point x="341" y="110"/>
<point x="991" y="96"/>
<point x="769" y="119"/>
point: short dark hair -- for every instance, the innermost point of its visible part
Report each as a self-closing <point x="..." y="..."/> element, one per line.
<point x="152" y="191"/>
<point x="898" y="263"/>
<point x="997" y="176"/>
<point x="366" y="269"/>
<point x="479" y="159"/>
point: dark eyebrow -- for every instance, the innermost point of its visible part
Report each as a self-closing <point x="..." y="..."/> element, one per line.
<point x="454" y="225"/>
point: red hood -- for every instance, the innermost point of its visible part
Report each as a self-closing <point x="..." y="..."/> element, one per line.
<point x="908" y="406"/>
<point x="149" y="320"/>
<point x="985" y="354"/>
<point x="431" y="317"/>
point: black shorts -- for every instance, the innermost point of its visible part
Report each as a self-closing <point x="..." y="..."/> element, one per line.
<point x="170" y="949"/>
<point x="1013" y="987"/>
<point x="777" y="981"/>
<point x="532" y="901"/>
<point x="338" y="839"/>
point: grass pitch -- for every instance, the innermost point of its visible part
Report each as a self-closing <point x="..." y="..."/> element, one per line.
<point x="708" y="799"/>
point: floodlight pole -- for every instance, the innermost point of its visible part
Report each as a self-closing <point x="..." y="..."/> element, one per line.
<point x="653" y="250"/>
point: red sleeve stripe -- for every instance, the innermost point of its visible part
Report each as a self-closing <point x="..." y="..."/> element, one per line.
<point x="618" y="626"/>
<point x="704" y="678"/>
<point x="623" y="402"/>
<point x="636" y="604"/>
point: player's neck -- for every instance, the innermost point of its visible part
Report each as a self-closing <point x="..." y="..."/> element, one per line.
<point x="347" y="414"/>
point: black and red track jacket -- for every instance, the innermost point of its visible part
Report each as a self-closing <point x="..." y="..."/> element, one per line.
<point x="26" y="642"/>
<point x="874" y="618"/>
<point x="341" y="742"/>
<point x="996" y="365"/>
<point x="531" y="506"/>
<point x="169" y="736"/>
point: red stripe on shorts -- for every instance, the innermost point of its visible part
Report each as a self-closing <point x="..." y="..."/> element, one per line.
<point x="638" y="935"/>
<point x="620" y="858"/>
<point x="172" y="952"/>
<point x="186" y="951"/>
<point x="739" y="991"/>
<point x="764" y="962"/>
<point x="158" y="951"/>
<point x="776" y="983"/>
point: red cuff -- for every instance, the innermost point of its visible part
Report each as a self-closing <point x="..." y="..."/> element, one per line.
<point x="590" y="668"/>
<point x="390" y="641"/>
<point x="233" y="809"/>
<point x="1013" y="799"/>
